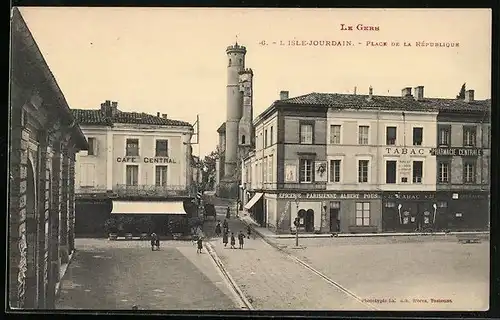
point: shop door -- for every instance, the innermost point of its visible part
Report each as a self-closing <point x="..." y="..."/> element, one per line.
<point x="390" y="217"/>
<point x="334" y="217"/>
<point x="309" y="221"/>
<point x="409" y="214"/>
<point x="425" y="216"/>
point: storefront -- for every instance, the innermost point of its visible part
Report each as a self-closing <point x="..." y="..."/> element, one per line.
<point x="411" y="211"/>
<point x="463" y="210"/>
<point x="329" y="212"/>
<point x="255" y="207"/>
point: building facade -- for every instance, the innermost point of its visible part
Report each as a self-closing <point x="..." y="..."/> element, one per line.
<point x="346" y="163"/>
<point x="236" y="134"/>
<point x="133" y="157"/>
<point x="462" y="151"/>
<point x="43" y="142"/>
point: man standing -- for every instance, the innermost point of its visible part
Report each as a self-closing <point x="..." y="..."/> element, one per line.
<point x="241" y="239"/>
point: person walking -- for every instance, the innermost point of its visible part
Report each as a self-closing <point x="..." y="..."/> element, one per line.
<point x="241" y="239"/>
<point x="155" y="242"/>
<point x="228" y="213"/>
<point x="200" y="244"/>
<point x="225" y="226"/>
<point x="249" y="232"/>
<point x="224" y="239"/>
<point x="233" y="241"/>
<point x="218" y="229"/>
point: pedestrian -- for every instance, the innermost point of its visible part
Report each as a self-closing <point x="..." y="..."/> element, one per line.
<point x="233" y="241"/>
<point x="218" y="229"/>
<point x="200" y="244"/>
<point x="228" y="212"/>
<point x="224" y="239"/>
<point x="153" y="241"/>
<point x="225" y="226"/>
<point x="249" y="232"/>
<point x="241" y="239"/>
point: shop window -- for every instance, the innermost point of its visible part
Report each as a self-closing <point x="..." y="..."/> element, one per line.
<point x="442" y="204"/>
<point x="417" y="171"/>
<point x="418" y="134"/>
<point x="363" y="135"/>
<point x="335" y="170"/>
<point x="335" y="134"/>
<point x="443" y="172"/>
<point x="161" y="148"/>
<point x="469" y="136"/>
<point x="132" y="148"/>
<point x="161" y="175"/>
<point x="362" y="213"/>
<point x="363" y="171"/>
<point x="306" y="133"/>
<point x="390" y="171"/>
<point x="305" y="170"/>
<point x="390" y="204"/>
<point x="391" y="136"/>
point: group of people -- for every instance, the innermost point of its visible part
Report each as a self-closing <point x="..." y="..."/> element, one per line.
<point x="224" y="230"/>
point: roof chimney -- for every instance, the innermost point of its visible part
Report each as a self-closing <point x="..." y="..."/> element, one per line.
<point x="283" y="95"/>
<point x="158" y="114"/>
<point x="103" y="107"/>
<point x="406" y="92"/>
<point x="108" y="103"/>
<point x="164" y="116"/>
<point x="419" y="93"/>
<point x="370" y="93"/>
<point x="355" y="90"/>
<point x="114" y="104"/>
<point x="469" y="95"/>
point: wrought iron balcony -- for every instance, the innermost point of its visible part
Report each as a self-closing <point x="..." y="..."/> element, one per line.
<point x="123" y="190"/>
<point x="292" y="186"/>
<point x="90" y="189"/>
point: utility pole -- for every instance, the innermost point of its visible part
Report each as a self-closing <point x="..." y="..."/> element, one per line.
<point x="297" y="222"/>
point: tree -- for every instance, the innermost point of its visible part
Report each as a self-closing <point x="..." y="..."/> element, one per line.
<point x="208" y="167"/>
<point x="461" y="95"/>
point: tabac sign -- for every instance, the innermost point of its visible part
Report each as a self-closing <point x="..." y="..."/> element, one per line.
<point x="461" y="152"/>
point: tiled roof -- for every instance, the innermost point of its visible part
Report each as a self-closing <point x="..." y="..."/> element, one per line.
<point x="458" y="104"/>
<point x="344" y="101"/>
<point x="98" y="117"/>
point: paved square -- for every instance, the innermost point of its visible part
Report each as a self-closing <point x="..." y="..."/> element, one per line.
<point x="114" y="275"/>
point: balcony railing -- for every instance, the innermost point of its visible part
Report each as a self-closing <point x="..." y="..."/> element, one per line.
<point x="123" y="190"/>
<point x="90" y="189"/>
<point x="291" y="186"/>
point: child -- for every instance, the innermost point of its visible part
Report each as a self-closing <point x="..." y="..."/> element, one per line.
<point x="233" y="241"/>
<point x="241" y="238"/>
<point x="200" y="244"/>
<point x="224" y="239"/>
<point x="154" y="242"/>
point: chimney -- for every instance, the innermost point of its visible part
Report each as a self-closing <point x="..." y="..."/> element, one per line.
<point x="103" y="107"/>
<point x="114" y="104"/>
<point x="108" y="103"/>
<point x="158" y="114"/>
<point x="469" y="95"/>
<point x="419" y="93"/>
<point x="355" y="90"/>
<point x="164" y="116"/>
<point x="406" y="92"/>
<point x="283" y="95"/>
<point x="370" y="93"/>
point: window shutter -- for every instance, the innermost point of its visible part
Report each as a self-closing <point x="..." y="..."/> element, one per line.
<point x="313" y="171"/>
<point x="301" y="170"/>
<point x="96" y="147"/>
<point x="91" y="169"/>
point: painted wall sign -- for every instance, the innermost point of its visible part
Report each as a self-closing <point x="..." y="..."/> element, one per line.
<point x="461" y="152"/>
<point x="145" y="160"/>
<point x="410" y="195"/>
<point x="320" y="171"/>
<point x="410" y="151"/>
<point x="471" y="196"/>
<point x="320" y="196"/>
<point x="405" y="168"/>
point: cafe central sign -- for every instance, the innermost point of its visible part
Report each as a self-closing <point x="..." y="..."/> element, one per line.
<point x="145" y="160"/>
<point x="339" y="196"/>
<point x="457" y="152"/>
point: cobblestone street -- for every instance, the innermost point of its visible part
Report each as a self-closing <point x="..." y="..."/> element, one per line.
<point x="272" y="281"/>
<point x="114" y="275"/>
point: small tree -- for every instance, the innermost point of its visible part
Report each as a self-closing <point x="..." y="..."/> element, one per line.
<point x="461" y="94"/>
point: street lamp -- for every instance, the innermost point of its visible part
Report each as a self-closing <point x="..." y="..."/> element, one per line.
<point x="297" y="222"/>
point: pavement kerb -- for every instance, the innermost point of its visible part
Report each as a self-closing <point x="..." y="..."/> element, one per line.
<point x="63" y="270"/>
<point x="238" y="294"/>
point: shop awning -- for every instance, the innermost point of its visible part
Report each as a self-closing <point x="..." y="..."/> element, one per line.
<point x="253" y="201"/>
<point x="148" y="207"/>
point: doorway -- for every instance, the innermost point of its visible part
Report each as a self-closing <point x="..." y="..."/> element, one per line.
<point x="309" y="221"/>
<point x="334" y="217"/>
<point x="31" y="239"/>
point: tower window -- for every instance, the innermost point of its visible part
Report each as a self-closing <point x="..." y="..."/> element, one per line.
<point x="229" y="62"/>
<point x="241" y="61"/>
<point x="243" y="139"/>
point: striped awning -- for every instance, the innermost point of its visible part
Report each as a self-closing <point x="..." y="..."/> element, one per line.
<point x="253" y="201"/>
<point x="148" y="207"/>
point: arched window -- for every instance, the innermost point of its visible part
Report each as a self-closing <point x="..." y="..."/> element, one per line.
<point x="229" y="62"/>
<point x="243" y="139"/>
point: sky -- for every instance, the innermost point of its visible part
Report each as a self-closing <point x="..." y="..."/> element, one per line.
<point x="173" y="60"/>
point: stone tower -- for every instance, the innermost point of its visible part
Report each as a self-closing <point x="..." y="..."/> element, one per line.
<point x="236" y="135"/>
<point x="236" y="64"/>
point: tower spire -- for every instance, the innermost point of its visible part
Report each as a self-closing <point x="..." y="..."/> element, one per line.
<point x="236" y="40"/>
